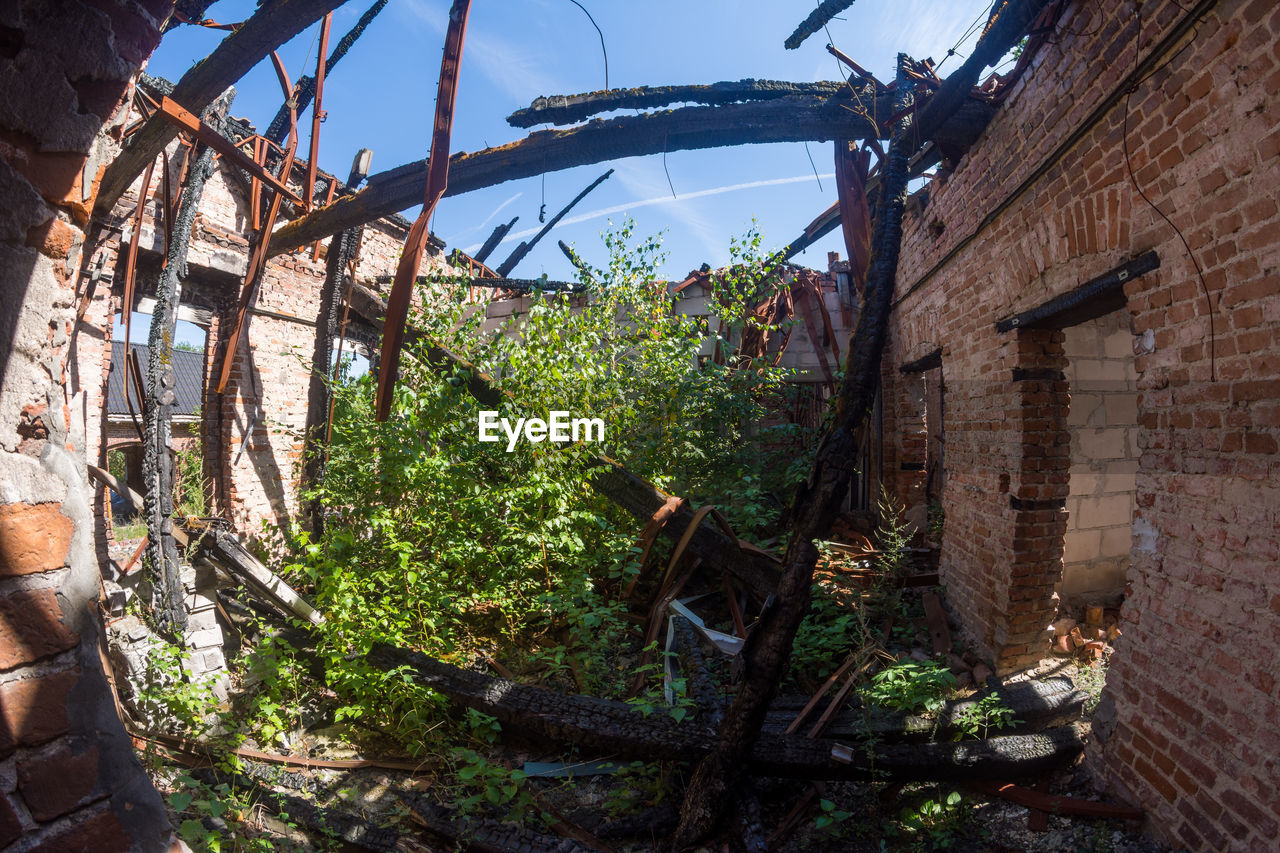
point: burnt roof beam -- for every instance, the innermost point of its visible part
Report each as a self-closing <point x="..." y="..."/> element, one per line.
<point x="268" y="28"/>
<point x="790" y="119"/>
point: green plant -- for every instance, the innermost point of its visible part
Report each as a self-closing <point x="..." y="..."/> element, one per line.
<point x="213" y="818"/>
<point x="893" y="538"/>
<point x="937" y="521"/>
<point x="485" y="785"/>
<point x="168" y="698"/>
<point x="437" y="541"/>
<point x="933" y="823"/>
<point x="989" y="712"/>
<point x="911" y="686"/>
<point x="830" y="630"/>
<point x="1091" y="678"/>
<point x="830" y="817"/>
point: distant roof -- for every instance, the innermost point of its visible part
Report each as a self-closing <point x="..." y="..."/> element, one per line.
<point x="188" y="368"/>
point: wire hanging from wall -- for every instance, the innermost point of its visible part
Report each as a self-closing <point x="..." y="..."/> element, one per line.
<point x="1128" y="163"/>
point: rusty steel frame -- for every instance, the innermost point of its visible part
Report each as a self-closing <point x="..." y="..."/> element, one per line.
<point x="187" y="122"/>
<point x="258" y="257"/>
<point x="317" y="114"/>
<point x="130" y="275"/>
<point x="437" y="179"/>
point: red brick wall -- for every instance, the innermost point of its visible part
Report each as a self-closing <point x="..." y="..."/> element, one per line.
<point x="68" y="777"/>
<point x="1186" y="727"/>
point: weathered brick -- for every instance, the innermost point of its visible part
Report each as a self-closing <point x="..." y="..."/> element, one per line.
<point x="33" y="538"/>
<point x="60" y="782"/>
<point x="34" y="710"/>
<point x="100" y="833"/>
<point x="31" y="627"/>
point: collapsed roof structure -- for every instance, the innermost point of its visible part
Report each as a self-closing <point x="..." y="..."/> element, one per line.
<point x="1070" y="333"/>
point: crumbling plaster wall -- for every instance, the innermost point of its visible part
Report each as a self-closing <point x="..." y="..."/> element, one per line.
<point x="68" y="777"/>
<point x="1186" y="726"/>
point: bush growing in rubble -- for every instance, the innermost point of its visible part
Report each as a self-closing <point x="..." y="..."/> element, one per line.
<point x="460" y="548"/>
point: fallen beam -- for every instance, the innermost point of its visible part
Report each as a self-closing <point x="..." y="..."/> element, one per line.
<point x="569" y="109"/>
<point x="504" y="269"/>
<point x="268" y="28"/>
<point x="1036" y="705"/>
<point x="623" y="731"/>
<point x="795" y="118"/>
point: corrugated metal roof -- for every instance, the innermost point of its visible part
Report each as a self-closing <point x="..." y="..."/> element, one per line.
<point x="188" y="368"/>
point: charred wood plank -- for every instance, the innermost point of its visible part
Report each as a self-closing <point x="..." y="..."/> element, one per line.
<point x="621" y="730"/>
<point x="157" y="460"/>
<point x="504" y="269"/>
<point x="569" y="109"/>
<point x="817" y="19"/>
<point x="768" y="650"/>
<point x="342" y="250"/>
<point x="795" y="118"/>
<point x="494" y="239"/>
<point x="269" y="27"/>
<point x="481" y="835"/>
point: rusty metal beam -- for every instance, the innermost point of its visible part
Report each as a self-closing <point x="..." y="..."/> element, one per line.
<point x="258" y="257"/>
<point x="270" y="26"/>
<point x="279" y="127"/>
<point x="437" y="179"/>
<point x="317" y="114"/>
<point x="568" y="109"/>
<point x="187" y="122"/>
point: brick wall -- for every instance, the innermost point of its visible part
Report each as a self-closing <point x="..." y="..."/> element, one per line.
<point x="1041" y="204"/>
<point x="68" y="777"/>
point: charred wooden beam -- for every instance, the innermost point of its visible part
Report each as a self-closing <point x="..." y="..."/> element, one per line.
<point x="157" y="461"/>
<point x="269" y="27"/>
<point x="623" y="731"/>
<point x="574" y="258"/>
<point x="342" y="250"/>
<point x="1012" y="21"/>
<point x="505" y="268"/>
<point x="791" y="119"/>
<point x="817" y="19"/>
<point x="570" y="109"/>
<point x="494" y="239"/>
<point x="279" y="127"/>
<point x="768" y="651"/>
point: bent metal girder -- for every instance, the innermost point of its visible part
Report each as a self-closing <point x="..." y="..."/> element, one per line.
<point x="436" y="180"/>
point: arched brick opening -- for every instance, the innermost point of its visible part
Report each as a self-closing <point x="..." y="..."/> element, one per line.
<point x="68" y="777"/>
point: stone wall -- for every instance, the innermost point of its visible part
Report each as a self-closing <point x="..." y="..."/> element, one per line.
<point x="1044" y="202"/>
<point x="68" y="777"/>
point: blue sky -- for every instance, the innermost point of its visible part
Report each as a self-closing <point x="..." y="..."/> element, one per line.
<point x="382" y="96"/>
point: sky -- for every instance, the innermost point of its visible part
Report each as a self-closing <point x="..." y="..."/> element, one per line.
<point x="382" y="96"/>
